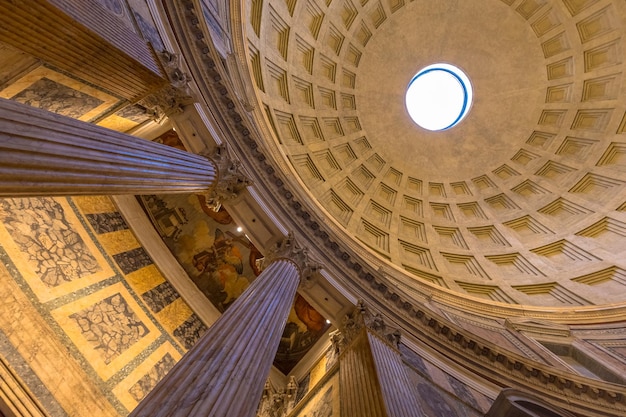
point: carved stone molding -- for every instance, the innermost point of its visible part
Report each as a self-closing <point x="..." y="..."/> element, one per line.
<point x="167" y="101"/>
<point x="538" y="327"/>
<point x="172" y="98"/>
<point x="289" y="248"/>
<point x="278" y="402"/>
<point x="360" y="318"/>
<point x="231" y="178"/>
<point x="171" y="63"/>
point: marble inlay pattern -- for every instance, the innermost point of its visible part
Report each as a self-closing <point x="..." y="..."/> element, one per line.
<point x="56" y="253"/>
<point x="123" y="324"/>
<point x="324" y="407"/>
<point x="440" y="393"/>
<point x="136" y="113"/>
<point x="462" y="392"/>
<point x="110" y="326"/>
<point x="142" y="387"/>
<point x="106" y="222"/>
<point x="160" y="296"/>
<point x="138" y="382"/>
<point x="52" y="96"/>
<point x="322" y="400"/>
<point x="190" y="331"/>
<point x="132" y="260"/>
<point x="47" y="88"/>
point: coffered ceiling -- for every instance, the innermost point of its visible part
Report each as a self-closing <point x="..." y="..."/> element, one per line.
<point x="523" y="202"/>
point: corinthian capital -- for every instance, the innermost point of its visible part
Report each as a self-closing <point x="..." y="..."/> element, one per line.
<point x="231" y="179"/>
<point x="361" y="317"/>
<point x="289" y="248"/>
<point x="175" y="96"/>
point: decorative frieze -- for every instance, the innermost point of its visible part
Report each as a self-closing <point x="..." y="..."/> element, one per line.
<point x="278" y="402"/>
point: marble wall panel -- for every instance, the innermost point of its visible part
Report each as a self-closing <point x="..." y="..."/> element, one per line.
<point x="85" y="276"/>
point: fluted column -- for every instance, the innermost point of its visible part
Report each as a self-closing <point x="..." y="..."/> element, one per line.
<point x="43" y="153"/>
<point x="85" y="39"/>
<point x="372" y="377"/>
<point x="225" y="372"/>
<point x="360" y="390"/>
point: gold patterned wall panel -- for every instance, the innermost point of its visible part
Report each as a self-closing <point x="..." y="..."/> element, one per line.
<point x="95" y="292"/>
<point x="53" y="256"/>
<point x="322" y="401"/>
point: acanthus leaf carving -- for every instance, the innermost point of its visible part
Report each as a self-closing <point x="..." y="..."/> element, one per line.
<point x="174" y="97"/>
<point x="289" y="248"/>
<point x="361" y="317"/>
<point x="231" y="178"/>
<point x="278" y="402"/>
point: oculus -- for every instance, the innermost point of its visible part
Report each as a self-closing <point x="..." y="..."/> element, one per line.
<point x="438" y="97"/>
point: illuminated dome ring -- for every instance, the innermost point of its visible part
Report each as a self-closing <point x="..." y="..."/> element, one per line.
<point x="438" y="97"/>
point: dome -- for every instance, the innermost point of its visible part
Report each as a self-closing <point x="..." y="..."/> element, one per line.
<point x="522" y="203"/>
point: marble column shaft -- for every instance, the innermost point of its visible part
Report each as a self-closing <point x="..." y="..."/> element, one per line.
<point x="225" y="372"/>
<point x="85" y="39"/>
<point x="43" y="153"/>
<point x="373" y="380"/>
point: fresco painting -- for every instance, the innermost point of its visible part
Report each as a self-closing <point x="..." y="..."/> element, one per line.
<point x="222" y="262"/>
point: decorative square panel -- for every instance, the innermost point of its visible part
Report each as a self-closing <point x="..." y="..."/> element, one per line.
<point x="108" y="327"/>
<point x="132" y="389"/>
<point x="50" y="247"/>
<point x="48" y="89"/>
<point x="127" y="118"/>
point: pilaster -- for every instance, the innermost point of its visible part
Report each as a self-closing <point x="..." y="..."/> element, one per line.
<point x="372" y="376"/>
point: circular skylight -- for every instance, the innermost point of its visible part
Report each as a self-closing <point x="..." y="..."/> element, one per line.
<point x="439" y="97"/>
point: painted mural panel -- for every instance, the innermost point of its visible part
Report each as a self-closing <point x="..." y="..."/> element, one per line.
<point x="132" y="389"/>
<point x="222" y="262"/>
